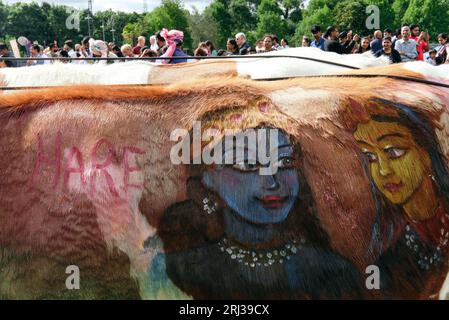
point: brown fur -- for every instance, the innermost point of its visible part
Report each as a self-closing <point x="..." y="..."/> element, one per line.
<point x="145" y="116"/>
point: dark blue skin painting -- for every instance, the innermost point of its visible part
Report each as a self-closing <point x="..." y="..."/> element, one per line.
<point x="254" y="199"/>
<point x="244" y="235"/>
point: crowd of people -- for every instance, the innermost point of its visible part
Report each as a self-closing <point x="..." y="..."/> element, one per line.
<point x="407" y="43"/>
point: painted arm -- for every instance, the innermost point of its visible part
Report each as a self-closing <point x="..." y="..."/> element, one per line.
<point x="157" y="284"/>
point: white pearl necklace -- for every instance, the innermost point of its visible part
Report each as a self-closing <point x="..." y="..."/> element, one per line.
<point x="425" y="261"/>
<point x="260" y="258"/>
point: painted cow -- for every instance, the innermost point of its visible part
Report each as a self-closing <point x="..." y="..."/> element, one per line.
<point x="255" y="67"/>
<point x="146" y="193"/>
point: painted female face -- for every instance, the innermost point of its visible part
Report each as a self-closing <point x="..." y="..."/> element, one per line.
<point x="397" y="164"/>
<point x="260" y="199"/>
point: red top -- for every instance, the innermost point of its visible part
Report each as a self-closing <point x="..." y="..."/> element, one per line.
<point x="430" y="230"/>
<point x="420" y="48"/>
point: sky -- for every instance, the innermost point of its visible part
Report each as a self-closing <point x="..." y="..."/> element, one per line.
<point x="120" y="5"/>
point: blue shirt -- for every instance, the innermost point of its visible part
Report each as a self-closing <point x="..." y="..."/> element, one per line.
<point x="179" y="53"/>
<point x="319" y="45"/>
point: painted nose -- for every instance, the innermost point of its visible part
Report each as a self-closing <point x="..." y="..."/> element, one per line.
<point x="271" y="182"/>
<point x="384" y="167"/>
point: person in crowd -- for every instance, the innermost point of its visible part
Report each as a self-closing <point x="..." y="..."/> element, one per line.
<point x="36" y="52"/>
<point x="268" y="43"/>
<point x="343" y="38"/>
<point x="276" y="44"/>
<point x="259" y="46"/>
<point x="242" y="43"/>
<point x="200" y="52"/>
<point x="160" y="43"/>
<point x="431" y="59"/>
<point x="211" y="48"/>
<point x="85" y="50"/>
<point x="127" y="51"/>
<point x="78" y="50"/>
<point x="421" y="39"/>
<point x="319" y="40"/>
<point x="205" y="47"/>
<point x="116" y="50"/>
<point x="52" y="51"/>
<point x="397" y="36"/>
<point x="99" y="49"/>
<point x="174" y="40"/>
<point x="376" y="44"/>
<point x="252" y="50"/>
<point x="232" y="47"/>
<point x="69" y="47"/>
<point x="153" y="43"/>
<point x="406" y="46"/>
<point x="442" y="55"/>
<point x="388" y="51"/>
<point x="5" y="53"/>
<point x="333" y="45"/>
<point x="148" y="53"/>
<point x="364" y="46"/>
<point x="388" y="33"/>
<point x="64" y="54"/>
<point x="305" y="41"/>
<point x="140" y="44"/>
<point x="284" y="44"/>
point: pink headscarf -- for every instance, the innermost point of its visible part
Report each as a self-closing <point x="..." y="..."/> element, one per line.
<point x="98" y="46"/>
<point x="170" y="37"/>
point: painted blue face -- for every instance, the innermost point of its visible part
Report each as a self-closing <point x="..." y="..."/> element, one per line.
<point x="259" y="199"/>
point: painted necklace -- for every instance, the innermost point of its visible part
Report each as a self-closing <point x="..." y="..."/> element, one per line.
<point x="260" y="258"/>
<point x="426" y="260"/>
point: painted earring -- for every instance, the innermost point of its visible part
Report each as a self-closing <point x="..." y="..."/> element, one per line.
<point x="208" y="206"/>
<point x="432" y="177"/>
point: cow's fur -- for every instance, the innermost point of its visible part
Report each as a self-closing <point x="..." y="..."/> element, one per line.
<point x="46" y="228"/>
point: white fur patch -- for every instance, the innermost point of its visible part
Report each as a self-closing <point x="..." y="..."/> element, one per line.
<point x="265" y="68"/>
<point x="428" y="70"/>
<point x="58" y="74"/>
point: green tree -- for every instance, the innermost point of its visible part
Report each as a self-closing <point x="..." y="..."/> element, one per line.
<point x="399" y="8"/>
<point x="56" y="18"/>
<point x="350" y="15"/>
<point x="112" y="20"/>
<point x="386" y="11"/>
<point x="171" y="15"/>
<point x="3" y="17"/>
<point x="431" y="15"/>
<point x="27" y="20"/>
<point x="218" y="10"/>
<point x="131" y="31"/>
<point x="270" y="19"/>
<point x="322" y="16"/>
<point x="203" y="27"/>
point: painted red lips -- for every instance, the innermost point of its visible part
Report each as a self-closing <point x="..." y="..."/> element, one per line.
<point x="393" y="187"/>
<point x="273" y="202"/>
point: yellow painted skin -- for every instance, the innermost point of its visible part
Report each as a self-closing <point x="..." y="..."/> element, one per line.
<point x="400" y="168"/>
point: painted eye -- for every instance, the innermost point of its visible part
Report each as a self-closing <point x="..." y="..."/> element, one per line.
<point x="244" y="166"/>
<point x="286" y="162"/>
<point x="370" y="156"/>
<point x="395" y="153"/>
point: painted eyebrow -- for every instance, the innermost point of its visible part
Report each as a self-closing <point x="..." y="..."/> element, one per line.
<point x="285" y="145"/>
<point x="389" y="135"/>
